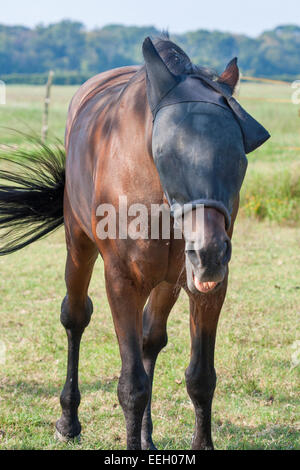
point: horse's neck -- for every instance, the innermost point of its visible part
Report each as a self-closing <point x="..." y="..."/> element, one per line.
<point x="135" y="112"/>
<point x="135" y="141"/>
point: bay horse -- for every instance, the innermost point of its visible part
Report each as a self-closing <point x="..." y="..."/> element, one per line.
<point x="165" y="133"/>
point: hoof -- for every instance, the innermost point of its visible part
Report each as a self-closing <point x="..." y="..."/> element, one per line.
<point x="66" y="431"/>
<point x="59" y="437"/>
<point x="148" y="446"/>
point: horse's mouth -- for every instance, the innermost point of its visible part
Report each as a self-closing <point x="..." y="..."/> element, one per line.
<point x="204" y="287"/>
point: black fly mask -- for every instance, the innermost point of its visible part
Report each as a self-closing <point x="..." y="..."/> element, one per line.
<point x="200" y="137"/>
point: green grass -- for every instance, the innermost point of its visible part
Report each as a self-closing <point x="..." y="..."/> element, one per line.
<point x="256" y="404"/>
<point x="272" y="186"/>
<point x="24" y="110"/>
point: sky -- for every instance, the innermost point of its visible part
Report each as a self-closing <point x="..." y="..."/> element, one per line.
<point x="238" y="16"/>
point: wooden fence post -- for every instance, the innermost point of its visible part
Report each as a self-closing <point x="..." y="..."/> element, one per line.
<point x="46" y="106"/>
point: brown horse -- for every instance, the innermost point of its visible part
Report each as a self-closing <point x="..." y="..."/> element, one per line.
<point x="122" y="138"/>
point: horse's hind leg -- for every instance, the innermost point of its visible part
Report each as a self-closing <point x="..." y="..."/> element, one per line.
<point x="155" y="317"/>
<point x="76" y="312"/>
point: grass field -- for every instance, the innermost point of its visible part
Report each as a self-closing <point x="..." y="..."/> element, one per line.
<point x="256" y="404"/>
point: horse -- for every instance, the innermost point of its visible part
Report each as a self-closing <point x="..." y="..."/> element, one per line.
<point x="165" y="133"/>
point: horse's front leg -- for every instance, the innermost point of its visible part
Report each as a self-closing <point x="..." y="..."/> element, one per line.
<point x="200" y="374"/>
<point x="155" y="317"/>
<point x="126" y="301"/>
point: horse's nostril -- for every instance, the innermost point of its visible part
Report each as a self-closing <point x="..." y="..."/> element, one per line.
<point x="193" y="256"/>
<point x="226" y="252"/>
<point x="213" y="255"/>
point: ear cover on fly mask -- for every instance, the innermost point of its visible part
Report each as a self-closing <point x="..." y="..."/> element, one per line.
<point x="164" y="88"/>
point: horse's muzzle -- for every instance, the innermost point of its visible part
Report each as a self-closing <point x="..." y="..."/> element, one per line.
<point x="206" y="267"/>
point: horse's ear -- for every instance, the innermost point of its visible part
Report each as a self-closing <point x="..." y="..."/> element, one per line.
<point x="159" y="78"/>
<point x="231" y="75"/>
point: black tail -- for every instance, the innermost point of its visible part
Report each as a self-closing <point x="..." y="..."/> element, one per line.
<point x="31" y="194"/>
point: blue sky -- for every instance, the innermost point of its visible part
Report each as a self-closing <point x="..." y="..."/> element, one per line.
<point x="249" y="17"/>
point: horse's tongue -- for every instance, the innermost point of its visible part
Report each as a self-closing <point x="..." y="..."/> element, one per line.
<point x="204" y="286"/>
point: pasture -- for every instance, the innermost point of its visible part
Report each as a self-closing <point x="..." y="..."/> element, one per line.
<point x="256" y="404"/>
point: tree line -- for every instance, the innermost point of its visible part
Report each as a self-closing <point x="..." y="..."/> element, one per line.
<point x="74" y="53"/>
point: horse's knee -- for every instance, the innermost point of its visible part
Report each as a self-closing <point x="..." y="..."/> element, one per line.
<point x="153" y="343"/>
<point x="76" y="315"/>
<point x="200" y="385"/>
<point x="134" y="391"/>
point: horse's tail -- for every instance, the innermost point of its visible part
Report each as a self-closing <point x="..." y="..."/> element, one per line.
<point x="31" y="194"/>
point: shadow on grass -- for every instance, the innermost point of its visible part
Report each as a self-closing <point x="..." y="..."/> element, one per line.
<point x="233" y="437"/>
<point x="271" y="437"/>
<point x="37" y="389"/>
<point x="227" y="436"/>
<point x="242" y="438"/>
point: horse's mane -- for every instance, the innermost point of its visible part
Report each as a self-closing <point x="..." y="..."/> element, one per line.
<point x="177" y="60"/>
